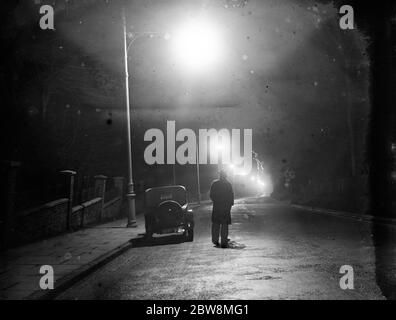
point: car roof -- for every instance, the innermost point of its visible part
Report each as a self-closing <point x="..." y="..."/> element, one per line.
<point x="166" y="187"/>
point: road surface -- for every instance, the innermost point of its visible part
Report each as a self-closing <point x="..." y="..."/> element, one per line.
<point x="279" y="253"/>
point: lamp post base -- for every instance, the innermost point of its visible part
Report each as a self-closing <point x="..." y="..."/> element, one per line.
<point x="131" y="224"/>
<point x="131" y="211"/>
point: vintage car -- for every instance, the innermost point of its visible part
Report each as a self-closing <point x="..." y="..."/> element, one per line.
<point x="166" y="211"/>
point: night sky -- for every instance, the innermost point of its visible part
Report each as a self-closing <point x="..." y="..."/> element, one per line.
<point x="286" y="70"/>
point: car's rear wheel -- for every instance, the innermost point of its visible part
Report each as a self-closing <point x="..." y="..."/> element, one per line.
<point x="169" y="214"/>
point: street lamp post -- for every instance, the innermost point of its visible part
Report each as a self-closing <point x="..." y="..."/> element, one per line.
<point x="131" y="193"/>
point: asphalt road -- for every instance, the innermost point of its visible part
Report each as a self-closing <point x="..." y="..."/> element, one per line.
<point x="279" y="253"/>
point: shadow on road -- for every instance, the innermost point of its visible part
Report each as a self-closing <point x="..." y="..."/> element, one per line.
<point x="157" y="241"/>
<point x="234" y="245"/>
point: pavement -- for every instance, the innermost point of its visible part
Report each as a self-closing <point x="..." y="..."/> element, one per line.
<point x="72" y="256"/>
<point x="277" y="252"/>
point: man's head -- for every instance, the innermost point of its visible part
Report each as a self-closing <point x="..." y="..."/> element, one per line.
<point x="223" y="174"/>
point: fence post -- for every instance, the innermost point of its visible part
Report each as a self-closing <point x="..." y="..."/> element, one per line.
<point x="10" y="218"/>
<point x="100" y="191"/>
<point x="71" y="195"/>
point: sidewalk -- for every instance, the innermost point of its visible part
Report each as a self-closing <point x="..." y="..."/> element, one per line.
<point x="72" y="256"/>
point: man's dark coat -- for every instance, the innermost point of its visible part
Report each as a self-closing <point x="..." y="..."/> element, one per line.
<point x="223" y="199"/>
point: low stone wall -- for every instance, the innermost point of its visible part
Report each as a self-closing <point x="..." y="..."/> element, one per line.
<point x="40" y="222"/>
<point x="91" y="211"/>
<point x="86" y="213"/>
<point x="76" y="217"/>
<point x="112" y="209"/>
<point x="50" y="219"/>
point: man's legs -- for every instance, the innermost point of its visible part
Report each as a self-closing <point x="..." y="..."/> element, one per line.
<point x="224" y="234"/>
<point x="215" y="233"/>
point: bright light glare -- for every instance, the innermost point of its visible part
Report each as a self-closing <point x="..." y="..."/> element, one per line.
<point x="261" y="183"/>
<point x="242" y="173"/>
<point x="197" y="45"/>
<point x="220" y="149"/>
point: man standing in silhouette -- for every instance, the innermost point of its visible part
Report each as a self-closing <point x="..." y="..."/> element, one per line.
<point x="222" y="195"/>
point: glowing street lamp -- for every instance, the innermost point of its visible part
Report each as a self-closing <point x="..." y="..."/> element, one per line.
<point x="197" y="45"/>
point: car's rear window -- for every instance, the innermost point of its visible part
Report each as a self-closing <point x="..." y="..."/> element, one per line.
<point x="155" y="196"/>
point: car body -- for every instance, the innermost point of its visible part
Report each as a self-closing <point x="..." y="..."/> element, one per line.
<point x="166" y="211"/>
